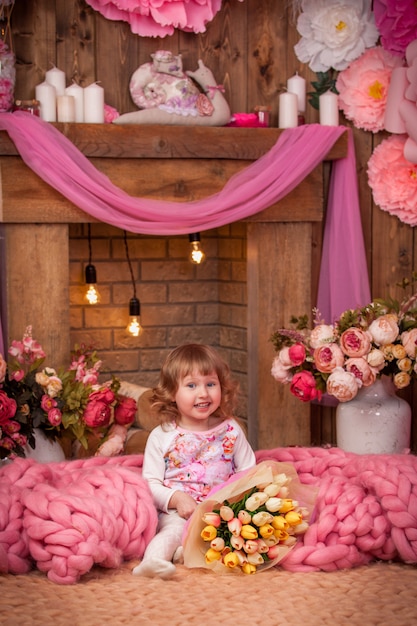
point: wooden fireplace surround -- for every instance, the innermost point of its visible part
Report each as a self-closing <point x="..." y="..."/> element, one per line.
<point x="192" y="163"/>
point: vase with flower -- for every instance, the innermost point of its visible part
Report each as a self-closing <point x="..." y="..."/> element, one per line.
<point x="364" y="357"/>
<point x="43" y="411"/>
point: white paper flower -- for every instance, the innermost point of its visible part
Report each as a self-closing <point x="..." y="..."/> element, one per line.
<point x="334" y="33"/>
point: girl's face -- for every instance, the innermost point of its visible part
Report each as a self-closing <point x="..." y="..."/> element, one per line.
<point x="197" y="397"/>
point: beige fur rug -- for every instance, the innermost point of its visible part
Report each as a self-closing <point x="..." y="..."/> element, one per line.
<point x="380" y="594"/>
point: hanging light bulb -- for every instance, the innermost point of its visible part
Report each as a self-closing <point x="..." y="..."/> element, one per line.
<point x="134" y="327"/>
<point x="92" y="294"/>
<point x="196" y="254"/>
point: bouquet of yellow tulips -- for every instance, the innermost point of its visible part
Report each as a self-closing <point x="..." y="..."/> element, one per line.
<point x="251" y="522"/>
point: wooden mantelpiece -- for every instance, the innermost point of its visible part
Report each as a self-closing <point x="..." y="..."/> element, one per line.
<point x="190" y="163"/>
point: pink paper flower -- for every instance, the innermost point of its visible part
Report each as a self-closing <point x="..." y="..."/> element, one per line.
<point x="158" y="18"/>
<point x="363" y="88"/>
<point x="396" y="21"/>
<point x="393" y="180"/>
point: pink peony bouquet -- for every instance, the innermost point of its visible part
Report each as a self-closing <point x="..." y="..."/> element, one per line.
<point x="69" y="403"/>
<point x="340" y="358"/>
<point x="251" y="522"/>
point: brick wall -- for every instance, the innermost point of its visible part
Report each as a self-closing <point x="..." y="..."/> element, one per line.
<point x="180" y="302"/>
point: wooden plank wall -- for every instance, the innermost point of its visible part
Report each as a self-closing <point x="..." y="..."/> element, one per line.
<point x="249" y="47"/>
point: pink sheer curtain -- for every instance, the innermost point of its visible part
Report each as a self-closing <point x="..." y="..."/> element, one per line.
<point x="297" y="152"/>
<point x="344" y="282"/>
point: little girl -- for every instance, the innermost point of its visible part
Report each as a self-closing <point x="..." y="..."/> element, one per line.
<point x="198" y="445"/>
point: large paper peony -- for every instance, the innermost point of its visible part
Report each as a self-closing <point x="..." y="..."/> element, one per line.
<point x="158" y="18"/>
<point x="393" y="180"/>
<point x="396" y="21"/>
<point x="363" y="88"/>
<point x="334" y="33"/>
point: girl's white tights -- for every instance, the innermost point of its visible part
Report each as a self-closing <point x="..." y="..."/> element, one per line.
<point x="159" y="553"/>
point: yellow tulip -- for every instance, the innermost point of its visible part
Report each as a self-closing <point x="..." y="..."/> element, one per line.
<point x="293" y="518"/>
<point x="249" y="532"/>
<point x="266" y="530"/>
<point x="279" y="522"/>
<point x="231" y="560"/>
<point x="208" y="533"/>
<point x="248" y="568"/>
<point x="212" y="555"/>
<point x="287" y="505"/>
<point x="281" y="535"/>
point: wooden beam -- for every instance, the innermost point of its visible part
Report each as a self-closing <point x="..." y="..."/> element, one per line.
<point x="171" y="142"/>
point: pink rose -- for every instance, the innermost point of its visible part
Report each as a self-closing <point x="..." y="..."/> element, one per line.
<point x="384" y="329"/>
<point x="409" y="341"/>
<point x="54" y="417"/>
<point x="280" y="372"/>
<point x="47" y="403"/>
<point x="3" y="368"/>
<point x="327" y="357"/>
<point x="8" y="408"/>
<point x="355" y="342"/>
<point x="18" y="375"/>
<point x="297" y="354"/>
<point x="303" y="386"/>
<point x="343" y="385"/>
<point x="361" y="369"/>
<point x="125" y="411"/>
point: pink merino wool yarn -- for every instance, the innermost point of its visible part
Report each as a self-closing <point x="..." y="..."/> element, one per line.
<point x="366" y="508"/>
<point x="69" y="516"/>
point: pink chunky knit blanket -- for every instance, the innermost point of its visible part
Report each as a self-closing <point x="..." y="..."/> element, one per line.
<point x="66" y="517"/>
<point x="366" y="508"/>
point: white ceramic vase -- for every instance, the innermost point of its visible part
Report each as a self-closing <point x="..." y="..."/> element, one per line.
<point x="46" y="450"/>
<point x="376" y="421"/>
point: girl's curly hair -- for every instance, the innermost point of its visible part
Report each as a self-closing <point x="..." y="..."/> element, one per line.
<point x="183" y="361"/>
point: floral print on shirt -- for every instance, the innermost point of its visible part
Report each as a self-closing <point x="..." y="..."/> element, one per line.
<point x="196" y="461"/>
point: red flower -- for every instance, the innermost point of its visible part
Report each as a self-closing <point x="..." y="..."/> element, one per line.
<point x="303" y="386"/>
<point x="125" y="411"/>
<point x="98" y="410"/>
<point x="8" y="408"/>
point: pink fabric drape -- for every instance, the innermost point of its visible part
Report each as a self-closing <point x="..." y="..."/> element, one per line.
<point x="59" y="163"/>
<point x="344" y="278"/>
<point x="344" y="282"/>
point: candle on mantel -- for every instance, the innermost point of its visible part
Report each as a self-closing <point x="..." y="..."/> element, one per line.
<point x="297" y="84"/>
<point x="65" y="108"/>
<point x="56" y="78"/>
<point x="46" y="94"/>
<point x="288" y="110"/>
<point x="94" y="104"/>
<point x="78" y="94"/>
<point x="329" y="109"/>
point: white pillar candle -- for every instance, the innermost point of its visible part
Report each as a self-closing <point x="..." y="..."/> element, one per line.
<point x="288" y="110"/>
<point x="78" y="94"/>
<point x="46" y="94"/>
<point x="94" y="104"/>
<point x="329" y="109"/>
<point x="56" y="78"/>
<point x="297" y="84"/>
<point x="393" y="122"/>
<point x="65" y="108"/>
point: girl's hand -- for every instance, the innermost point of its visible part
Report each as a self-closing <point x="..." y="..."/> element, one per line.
<point x="183" y="503"/>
